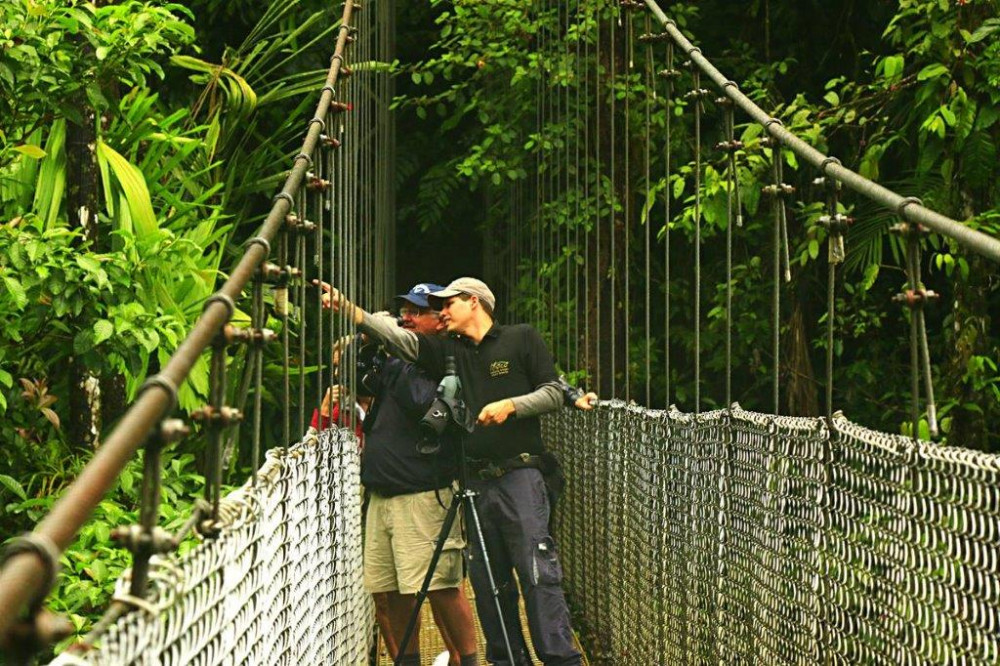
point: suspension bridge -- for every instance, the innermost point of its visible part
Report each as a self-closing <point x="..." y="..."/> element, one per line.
<point x="700" y="536"/>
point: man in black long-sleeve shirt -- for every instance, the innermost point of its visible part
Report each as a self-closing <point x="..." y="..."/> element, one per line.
<point x="509" y="380"/>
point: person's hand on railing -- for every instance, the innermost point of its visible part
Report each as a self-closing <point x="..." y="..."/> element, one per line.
<point x="586" y="401"/>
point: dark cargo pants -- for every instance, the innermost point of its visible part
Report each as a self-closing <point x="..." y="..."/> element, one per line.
<point x="514" y="514"/>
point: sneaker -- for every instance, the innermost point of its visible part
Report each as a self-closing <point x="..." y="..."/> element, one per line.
<point x="441" y="659"/>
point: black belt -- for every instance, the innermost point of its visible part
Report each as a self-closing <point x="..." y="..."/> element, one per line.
<point x="387" y="493"/>
<point x="494" y="469"/>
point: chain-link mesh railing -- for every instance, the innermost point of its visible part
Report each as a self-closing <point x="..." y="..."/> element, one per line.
<point x="280" y="585"/>
<point x="743" y="538"/>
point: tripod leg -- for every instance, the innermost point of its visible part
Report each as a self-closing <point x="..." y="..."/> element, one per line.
<point x="489" y="572"/>
<point x="449" y="520"/>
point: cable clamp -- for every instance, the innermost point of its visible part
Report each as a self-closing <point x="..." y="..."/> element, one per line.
<point x="916" y="298"/>
<point x="653" y="37"/>
<point x="303" y="156"/>
<point x="907" y="202"/>
<point x="333" y="91"/>
<point x="49" y="554"/>
<point x="260" y="240"/>
<point x="316" y="184"/>
<point x="697" y="94"/>
<point x="221" y="417"/>
<point x="248" y="336"/>
<point x="163" y="382"/>
<point x="729" y="146"/>
<point x="836" y="224"/>
<point x="783" y="190"/>
<point x="319" y="121"/>
<point x="827" y="161"/>
<point x="907" y="229"/>
<point x="286" y="196"/>
<point x="692" y="51"/>
<point x="731" y="84"/>
<point x="225" y="299"/>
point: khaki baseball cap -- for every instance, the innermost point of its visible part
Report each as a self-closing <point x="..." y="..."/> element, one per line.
<point x="468" y="285"/>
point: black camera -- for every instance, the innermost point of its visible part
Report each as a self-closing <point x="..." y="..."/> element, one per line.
<point x="371" y="358"/>
<point x="448" y="408"/>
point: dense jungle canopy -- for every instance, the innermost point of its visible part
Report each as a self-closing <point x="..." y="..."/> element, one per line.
<point x="138" y="144"/>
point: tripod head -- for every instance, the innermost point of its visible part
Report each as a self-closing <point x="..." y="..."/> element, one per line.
<point x="446" y="412"/>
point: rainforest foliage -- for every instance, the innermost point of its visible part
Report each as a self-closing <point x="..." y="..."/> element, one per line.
<point x="905" y="93"/>
<point x="138" y="141"/>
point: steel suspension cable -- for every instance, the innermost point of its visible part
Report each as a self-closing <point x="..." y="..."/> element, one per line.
<point x="669" y="74"/>
<point x="613" y="263"/>
<point x="627" y="190"/>
<point x="650" y="93"/>
<point x="696" y="95"/>
<point x="730" y="147"/>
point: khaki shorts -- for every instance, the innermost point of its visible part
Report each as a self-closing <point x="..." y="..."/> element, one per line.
<point x="399" y="540"/>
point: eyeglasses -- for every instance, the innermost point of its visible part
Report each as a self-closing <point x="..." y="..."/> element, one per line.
<point x="416" y="312"/>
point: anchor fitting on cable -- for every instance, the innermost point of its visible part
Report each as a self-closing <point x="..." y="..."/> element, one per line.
<point x="221" y="416"/>
<point x="653" y="37"/>
<point x="329" y="141"/>
<point x="632" y="5"/>
<point x="916" y="298"/>
<point x="837" y="224"/>
<point x="339" y="107"/>
<point x="907" y="229"/>
<point x="297" y="225"/>
<point x="783" y="190"/>
<point x="697" y="94"/>
<point x="831" y="184"/>
<point x="259" y="337"/>
<point x="136" y="540"/>
<point x="278" y="275"/>
<point x="729" y="146"/>
<point x="315" y="183"/>
<point x="346" y="71"/>
<point x="669" y="74"/>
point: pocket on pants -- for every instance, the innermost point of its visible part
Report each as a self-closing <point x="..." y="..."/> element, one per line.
<point x="545" y="567"/>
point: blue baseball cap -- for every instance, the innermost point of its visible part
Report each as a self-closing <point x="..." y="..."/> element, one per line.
<point x="419" y="293"/>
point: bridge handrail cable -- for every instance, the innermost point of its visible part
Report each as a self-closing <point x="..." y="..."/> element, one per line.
<point x="908" y="208"/>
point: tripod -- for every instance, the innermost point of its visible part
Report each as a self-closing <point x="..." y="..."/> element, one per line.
<point x="466" y="497"/>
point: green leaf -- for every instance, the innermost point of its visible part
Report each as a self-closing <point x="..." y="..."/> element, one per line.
<point x="32" y="151"/>
<point x="988" y="27"/>
<point x="832" y="98"/>
<point x="13" y="486"/>
<point x="16" y="290"/>
<point x="133" y="186"/>
<point x="892" y="67"/>
<point x="932" y="72"/>
<point x="103" y="329"/>
<point x="88" y="264"/>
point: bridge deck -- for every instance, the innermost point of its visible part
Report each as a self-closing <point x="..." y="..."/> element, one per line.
<point x="431" y="644"/>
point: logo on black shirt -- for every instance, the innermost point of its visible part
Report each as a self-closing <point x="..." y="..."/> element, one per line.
<point x="499" y="368"/>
